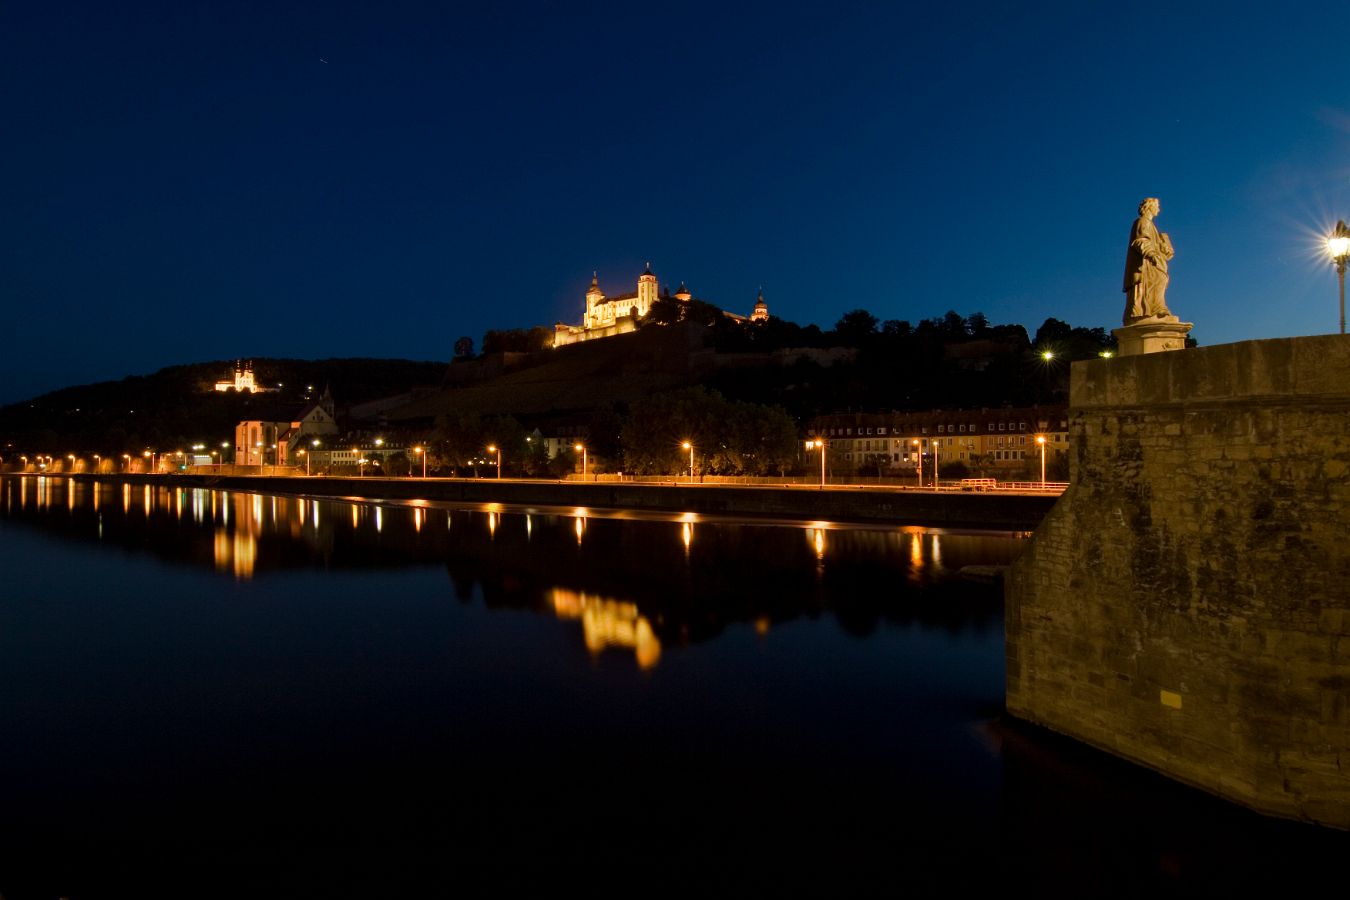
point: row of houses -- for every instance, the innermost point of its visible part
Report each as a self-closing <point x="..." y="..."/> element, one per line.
<point x="999" y="438"/>
<point x="1003" y="438"/>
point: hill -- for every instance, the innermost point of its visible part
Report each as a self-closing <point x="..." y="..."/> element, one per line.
<point x="176" y="407"/>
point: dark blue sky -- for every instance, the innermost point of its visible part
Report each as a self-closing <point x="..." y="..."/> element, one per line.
<point x="210" y="180"/>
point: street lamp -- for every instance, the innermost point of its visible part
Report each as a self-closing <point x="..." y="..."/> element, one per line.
<point x="819" y="444"/>
<point x="935" y="463"/>
<point x="97" y="458"/>
<point x="1040" y="439"/>
<point x="687" y="445"/>
<point x="1047" y="355"/>
<point x="71" y="457"/>
<point x="1338" y="245"/>
<point x="493" y="448"/>
<point x="305" y="454"/>
<point x="126" y="462"/>
<point x="422" y="453"/>
<point x="582" y="448"/>
<point x="918" y="464"/>
<point x="151" y="454"/>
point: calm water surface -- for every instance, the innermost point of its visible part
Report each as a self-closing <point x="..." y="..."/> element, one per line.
<point x="209" y="692"/>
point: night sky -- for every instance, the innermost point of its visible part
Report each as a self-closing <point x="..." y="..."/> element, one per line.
<point x="210" y="180"/>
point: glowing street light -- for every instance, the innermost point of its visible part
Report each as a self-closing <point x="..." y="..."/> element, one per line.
<point x="71" y="457"/>
<point x="918" y="464"/>
<point x="422" y="453"/>
<point x="582" y="449"/>
<point x="935" y="463"/>
<point x="126" y="462"/>
<point x="305" y="454"/>
<point x="97" y="459"/>
<point x="1040" y="439"/>
<point x="1338" y="245"/>
<point x="687" y="445"/>
<point x="1047" y="355"/>
<point x="819" y="444"/>
<point x="493" y="448"/>
<point x="151" y="454"/>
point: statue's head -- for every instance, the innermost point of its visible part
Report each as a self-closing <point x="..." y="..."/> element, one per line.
<point x="1149" y="206"/>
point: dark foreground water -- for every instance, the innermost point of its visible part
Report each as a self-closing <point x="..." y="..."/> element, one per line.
<point x="209" y="693"/>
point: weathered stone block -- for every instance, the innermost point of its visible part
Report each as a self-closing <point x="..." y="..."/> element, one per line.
<point x="1190" y="588"/>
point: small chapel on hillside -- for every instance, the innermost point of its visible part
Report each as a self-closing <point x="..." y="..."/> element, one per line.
<point x="607" y="316"/>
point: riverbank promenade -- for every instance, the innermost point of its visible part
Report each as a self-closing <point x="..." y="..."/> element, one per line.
<point x="1015" y="510"/>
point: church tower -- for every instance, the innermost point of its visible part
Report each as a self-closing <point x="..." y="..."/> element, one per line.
<point x="594" y="298"/>
<point x="761" y="311"/>
<point x="646" y="292"/>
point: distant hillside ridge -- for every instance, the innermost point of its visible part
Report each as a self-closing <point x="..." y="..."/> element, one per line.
<point x="177" y="406"/>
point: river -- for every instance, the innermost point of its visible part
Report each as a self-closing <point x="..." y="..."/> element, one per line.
<point x="222" y="691"/>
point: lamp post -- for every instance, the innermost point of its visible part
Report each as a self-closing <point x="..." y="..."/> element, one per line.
<point x="819" y="444"/>
<point x="151" y="454"/>
<point x="688" y="445"/>
<point x="422" y="453"/>
<point x="126" y="462"/>
<point x="305" y="454"/>
<point x="97" y="460"/>
<point x="1338" y="245"/>
<point x="582" y="448"/>
<point x="224" y="445"/>
<point x="71" y="457"/>
<point x="1040" y="439"/>
<point x="918" y="464"/>
<point x="935" y="463"/>
<point x="493" y="448"/>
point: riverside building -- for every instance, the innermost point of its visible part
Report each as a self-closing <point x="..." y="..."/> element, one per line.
<point x="984" y="438"/>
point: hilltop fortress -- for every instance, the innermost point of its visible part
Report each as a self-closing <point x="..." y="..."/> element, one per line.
<point x="608" y="316"/>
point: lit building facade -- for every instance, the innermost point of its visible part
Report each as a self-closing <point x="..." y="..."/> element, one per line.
<point x="607" y="316"/>
<point x="243" y="380"/>
<point x="984" y="438"/>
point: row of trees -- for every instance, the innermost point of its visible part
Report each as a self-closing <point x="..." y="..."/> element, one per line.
<point x="728" y="438"/>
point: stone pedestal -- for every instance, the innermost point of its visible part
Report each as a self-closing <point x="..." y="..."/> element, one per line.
<point x="1152" y="336"/>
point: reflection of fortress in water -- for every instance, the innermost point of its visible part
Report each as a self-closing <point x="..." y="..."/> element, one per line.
<point x="639" y="586"/>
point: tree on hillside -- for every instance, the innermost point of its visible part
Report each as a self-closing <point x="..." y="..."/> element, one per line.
<point x="855" y="326"/>
<point x="517" y="340"/>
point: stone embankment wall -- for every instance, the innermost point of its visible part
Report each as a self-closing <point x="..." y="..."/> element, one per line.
<point x="1013" y="512"/>
<point x="1186" y="604"/>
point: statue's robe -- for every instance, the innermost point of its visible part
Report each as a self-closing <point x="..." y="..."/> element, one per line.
<point x="1146" y="272"/>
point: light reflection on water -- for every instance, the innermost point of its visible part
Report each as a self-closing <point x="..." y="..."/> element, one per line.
<point x="635" y="581"/>
<point x="195" y="669"/>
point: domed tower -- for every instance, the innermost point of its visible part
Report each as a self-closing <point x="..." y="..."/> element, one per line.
<point x="646" y="293"/>
<point x="683" y="294"/>
<point x="594" y="297"/>
<point x="761" y="311"/>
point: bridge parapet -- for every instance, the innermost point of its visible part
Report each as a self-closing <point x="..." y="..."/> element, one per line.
<point x="1186" y="604"/>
